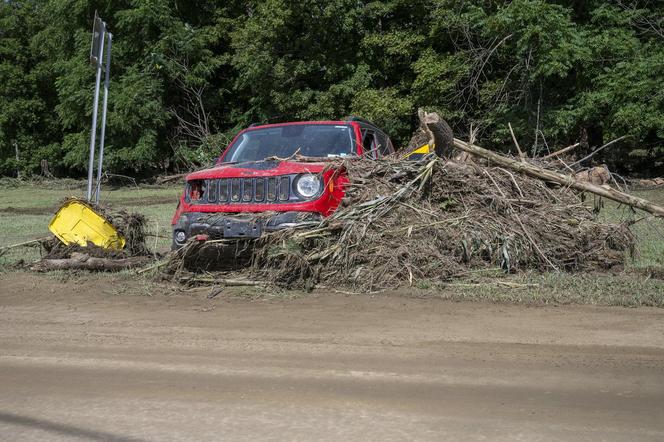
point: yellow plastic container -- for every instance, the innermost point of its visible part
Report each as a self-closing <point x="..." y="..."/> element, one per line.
<point x="77" y="222"/>
<point x="422" y="150"/>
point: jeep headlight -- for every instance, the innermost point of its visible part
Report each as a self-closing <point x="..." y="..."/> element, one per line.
<point x="180" y="237"/>
<point x="308" y="185"/>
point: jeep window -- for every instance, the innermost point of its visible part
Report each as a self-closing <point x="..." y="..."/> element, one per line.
<point x="369" y="143"/>
<point x="384" y="144"/>
<point x="311" y="140"/>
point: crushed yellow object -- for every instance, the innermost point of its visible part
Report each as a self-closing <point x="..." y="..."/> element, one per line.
<point x="77" y="222"/>
<point x="422" y="150"/>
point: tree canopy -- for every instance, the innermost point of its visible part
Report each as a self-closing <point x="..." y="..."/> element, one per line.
<point x="186" y="75"/>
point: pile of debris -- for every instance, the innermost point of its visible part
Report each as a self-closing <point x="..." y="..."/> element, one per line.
<point x="451" y="213"/>
<point x="437" y="220"/>
<point x="73" y="256"/>
<point x="434" y="220"/>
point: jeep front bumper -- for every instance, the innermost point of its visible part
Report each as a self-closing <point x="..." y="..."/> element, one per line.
<point x="237" y="225"/>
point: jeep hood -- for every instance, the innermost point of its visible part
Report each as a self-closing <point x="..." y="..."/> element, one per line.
<point x="264" y="168"/>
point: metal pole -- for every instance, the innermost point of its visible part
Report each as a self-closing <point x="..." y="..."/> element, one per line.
<point x="95" y="106"/>
<point x="18" y="159"/>
<point x="103" y="114"/>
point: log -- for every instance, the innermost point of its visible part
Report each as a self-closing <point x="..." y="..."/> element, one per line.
<point x="561" y="151"/>
<point x="439" y="131"/>
<point x="83" y="261"/>
<point x="558" y="178"/>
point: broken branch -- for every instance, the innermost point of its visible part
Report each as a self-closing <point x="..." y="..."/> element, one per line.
<point x="564" y="180"/>
<point x="587" y="157"/>
<point x="561" y="151"/>
<point x="522" y="156"/>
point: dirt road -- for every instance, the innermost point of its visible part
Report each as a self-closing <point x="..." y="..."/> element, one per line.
<point x="97" y="359"/>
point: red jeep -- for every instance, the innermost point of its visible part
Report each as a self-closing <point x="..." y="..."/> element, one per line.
<point x="254" y="187"/>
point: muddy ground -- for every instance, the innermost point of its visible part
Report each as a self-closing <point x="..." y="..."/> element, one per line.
<point x="107" y="359"/>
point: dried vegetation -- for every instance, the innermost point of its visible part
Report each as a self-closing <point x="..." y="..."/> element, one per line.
<point x="435" y="220"/>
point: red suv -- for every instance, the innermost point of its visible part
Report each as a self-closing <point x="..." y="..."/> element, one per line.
<point x="256" y="187"/>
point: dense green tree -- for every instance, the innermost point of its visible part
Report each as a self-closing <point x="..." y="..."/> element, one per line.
<point x="187" y="74"/>
<point x="26" y="93"/>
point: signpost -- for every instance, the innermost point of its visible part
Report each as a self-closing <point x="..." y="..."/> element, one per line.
<point x="109" y="40"/>
<point x="99" y="35"/>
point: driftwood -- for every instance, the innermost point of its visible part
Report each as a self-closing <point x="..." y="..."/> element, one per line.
<point x="561" y="151"/>
<point x="438" y="131"/>
<point x="598" y="175"/>
<point x="116" y="175"/>
<point x="4" y="249"/>
<point x="653" y="183"/>
<point x="438" y="126"/>
<point x="563" y="180"/>
<point x="83" y="261"/>
<point x="522" y="156"/>
<point x="590" y="155"/>
<point x="153" y="267"/>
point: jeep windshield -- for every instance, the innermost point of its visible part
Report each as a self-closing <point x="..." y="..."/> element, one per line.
<point x="311" y="140"/>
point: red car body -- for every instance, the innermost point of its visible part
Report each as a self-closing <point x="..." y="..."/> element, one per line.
<point x="243" y="199"/>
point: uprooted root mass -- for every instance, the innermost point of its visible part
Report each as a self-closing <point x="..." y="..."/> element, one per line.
<point x="401" y="222"/>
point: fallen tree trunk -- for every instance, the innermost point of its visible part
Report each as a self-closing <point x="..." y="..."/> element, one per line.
<point x="563" y="180"/>
<point x="438" y="131"/>
<point x="82" y="261"/>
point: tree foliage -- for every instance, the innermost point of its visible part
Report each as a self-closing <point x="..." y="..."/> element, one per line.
<point x="187" y="74"/>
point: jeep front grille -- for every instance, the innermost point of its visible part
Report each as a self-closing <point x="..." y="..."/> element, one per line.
<point x="268" y="190"/>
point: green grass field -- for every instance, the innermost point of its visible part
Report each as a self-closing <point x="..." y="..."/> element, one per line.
<point x="26" y="209"/>
<point x="649" y="232"/>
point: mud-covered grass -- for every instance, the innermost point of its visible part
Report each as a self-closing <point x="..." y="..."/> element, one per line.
<point x="641" y="283"/>
<point x="627" y="289"/>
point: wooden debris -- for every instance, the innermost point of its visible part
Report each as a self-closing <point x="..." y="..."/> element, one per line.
<point x="438" y="131"/>
<point x="561" y="151"/>
<point x="558" y="178"/>
<point x="522" y="156"/>
<point x="599" y="149"/>
<point x="598" y="175"/>
<point x="5" y="249"/>
<point x="83" y="261"/>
